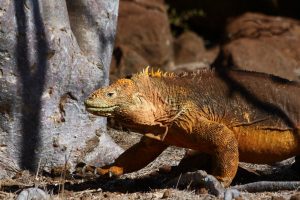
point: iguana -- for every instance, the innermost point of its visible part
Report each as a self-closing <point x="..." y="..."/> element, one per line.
<point x="230" y="115"/>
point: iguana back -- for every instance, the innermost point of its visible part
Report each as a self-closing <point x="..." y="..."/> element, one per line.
<point x="243" y="98"/>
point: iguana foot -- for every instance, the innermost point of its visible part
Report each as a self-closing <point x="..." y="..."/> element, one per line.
<point x="86" y="171"/>
<point x="214" y="186"/>
<point x="111" y="171"/>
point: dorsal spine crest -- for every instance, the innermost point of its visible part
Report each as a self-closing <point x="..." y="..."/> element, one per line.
<point x="151" y="73"/>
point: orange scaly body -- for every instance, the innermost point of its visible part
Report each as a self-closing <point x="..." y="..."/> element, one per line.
<point x="231" y="116"/>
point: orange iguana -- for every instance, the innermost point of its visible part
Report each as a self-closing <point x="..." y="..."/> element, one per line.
<point x="230" y="115"/>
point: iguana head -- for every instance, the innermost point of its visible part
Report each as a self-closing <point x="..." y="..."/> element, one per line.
<point x="122" y="100"/>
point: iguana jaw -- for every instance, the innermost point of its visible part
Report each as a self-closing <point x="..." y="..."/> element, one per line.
<point x="100" y="108"/>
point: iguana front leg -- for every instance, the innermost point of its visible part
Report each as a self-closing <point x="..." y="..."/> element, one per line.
<point x="222" y="146"/>
<point x="134" y="158"/>
<point x="166" y="124"/>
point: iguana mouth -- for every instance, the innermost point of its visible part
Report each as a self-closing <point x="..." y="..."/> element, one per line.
<point x="103" y="111"/>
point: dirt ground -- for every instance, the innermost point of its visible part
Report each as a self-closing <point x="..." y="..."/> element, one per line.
<point x="147" y="183"/>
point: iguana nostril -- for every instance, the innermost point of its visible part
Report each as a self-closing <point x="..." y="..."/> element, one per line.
<point x="90" y="98"/>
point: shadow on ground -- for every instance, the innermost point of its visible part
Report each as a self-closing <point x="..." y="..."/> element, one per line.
<point x="160" y="180"/>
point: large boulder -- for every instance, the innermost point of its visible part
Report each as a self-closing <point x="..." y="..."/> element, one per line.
<point x="190" y="48"/>
<point x="125" y="62"/>
<point x="47" y="68"/>
<point x="262" y="43"/>
<point x="143" y="36"/>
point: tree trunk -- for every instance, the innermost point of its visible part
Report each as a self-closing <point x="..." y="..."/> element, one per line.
<point x="53" y="53"/>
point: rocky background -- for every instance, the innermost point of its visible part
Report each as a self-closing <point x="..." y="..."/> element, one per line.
<point x="179" y="35"/>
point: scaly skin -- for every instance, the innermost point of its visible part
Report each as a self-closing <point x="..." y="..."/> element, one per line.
<point x="232" y="116"/>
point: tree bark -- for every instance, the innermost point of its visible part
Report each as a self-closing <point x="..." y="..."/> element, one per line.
<point x="52" y="55"/>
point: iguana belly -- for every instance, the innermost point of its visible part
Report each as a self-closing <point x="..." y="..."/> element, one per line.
<point x="266" y="146"/>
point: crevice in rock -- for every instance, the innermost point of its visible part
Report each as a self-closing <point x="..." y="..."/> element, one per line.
<point x="63" y="100"/>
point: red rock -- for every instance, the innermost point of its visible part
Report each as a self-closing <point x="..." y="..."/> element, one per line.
<point x="190" y="48"/>
<point x="264" y="43"/>
<point x="143" y="29"/>
<point x="126" y="61"/>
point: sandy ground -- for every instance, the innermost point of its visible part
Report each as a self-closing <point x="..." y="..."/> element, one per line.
<point x="147" y="183"/>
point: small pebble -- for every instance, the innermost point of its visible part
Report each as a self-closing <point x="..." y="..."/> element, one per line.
<point x="202" y="190"/>
<point x="105" y="195"/>
<point x="166" y="194"/>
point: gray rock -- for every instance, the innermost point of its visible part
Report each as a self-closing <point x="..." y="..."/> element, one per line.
<point x="33" y="194"/>
<point x="51" y="59"/>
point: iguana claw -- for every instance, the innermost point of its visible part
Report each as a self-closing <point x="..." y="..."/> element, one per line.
<point x="214" y="187"/>
<point x="86" y="171"/>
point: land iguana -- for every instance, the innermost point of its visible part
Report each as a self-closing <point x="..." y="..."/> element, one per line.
<point x="230" y="115"/>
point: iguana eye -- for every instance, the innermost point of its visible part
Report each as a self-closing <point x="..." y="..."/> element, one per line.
<point x="110" y="94"/>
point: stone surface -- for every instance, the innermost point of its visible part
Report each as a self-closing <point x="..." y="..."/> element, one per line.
<point x="125" y="62"/>
<point x="48" y="67"/>
<point x="33" y="194"/>
<point x="189" y="47"/>
<point x="263" y="43"/>
<point x="143" y="36"/>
